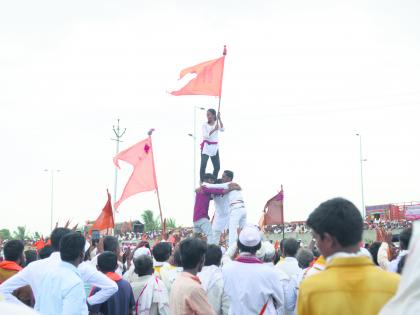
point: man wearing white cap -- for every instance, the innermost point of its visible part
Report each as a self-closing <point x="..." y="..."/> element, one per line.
<point x="253" y="287"/>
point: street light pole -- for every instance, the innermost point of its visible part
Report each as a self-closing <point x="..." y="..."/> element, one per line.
<point x="361" y="175"/>
<point x="118" y="136"/>
<point x="52" y="171"/>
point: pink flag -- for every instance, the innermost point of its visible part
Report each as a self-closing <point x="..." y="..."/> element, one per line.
<point x="143" y="178"/>
<point x="208" y="80"/>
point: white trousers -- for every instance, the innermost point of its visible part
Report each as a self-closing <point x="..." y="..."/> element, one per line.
<point x="237" y="219"/>
<point x="220" y="224"/>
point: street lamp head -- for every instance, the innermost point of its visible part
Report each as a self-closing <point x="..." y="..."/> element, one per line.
<point x="357" y="134"/>
<point x="191" y="135"/>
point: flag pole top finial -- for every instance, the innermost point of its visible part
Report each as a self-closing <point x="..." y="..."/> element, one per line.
<point x="224" y="50"/>
<point x="151" y="131"/>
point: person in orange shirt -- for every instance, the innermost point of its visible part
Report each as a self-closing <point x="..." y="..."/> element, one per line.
<point x="187" y="295"/>
<point x="14" y="260"/>
<point x="351" y="283"/>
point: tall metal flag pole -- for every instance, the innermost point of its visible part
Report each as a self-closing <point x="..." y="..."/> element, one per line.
<point x="282" y="210"/>
<point x="221" y="79"/>
<point x="361" y="175"/>
<point x="154" y="175"/>
<point x="118" y="135"/>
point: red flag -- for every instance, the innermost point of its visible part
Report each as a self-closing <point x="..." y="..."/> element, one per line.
<point x="105" y="219"/>
<point x="208" y="80"/>
<point x="143" y="177"/>
<point x="273" y="210"/>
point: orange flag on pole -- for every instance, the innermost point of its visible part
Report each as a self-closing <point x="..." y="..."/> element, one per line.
<point x="208" y="80"/>
<point x="273" y="211"/>
<point x="143" y="177"/>
<point x="105" y="219"/>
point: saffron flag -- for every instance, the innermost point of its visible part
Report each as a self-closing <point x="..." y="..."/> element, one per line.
<point x="273" y="211"/>
<point x="143" y="177"/>
<point x="105" y="219"/>
<point x="208" y="80"/>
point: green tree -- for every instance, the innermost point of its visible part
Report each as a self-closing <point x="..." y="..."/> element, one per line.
<point x="151" y="223"/>
<point x="5" y="234"/>
<point x="21" y="233"/>
<point x="171" y="223"/>
<point x="36" y="236"/>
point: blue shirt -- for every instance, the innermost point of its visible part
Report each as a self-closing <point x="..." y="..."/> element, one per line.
<point x="120" y="303"/>
<point x="62" y="292"/>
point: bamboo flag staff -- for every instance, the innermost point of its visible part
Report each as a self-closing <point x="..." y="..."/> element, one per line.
<point x="143" y="178"/>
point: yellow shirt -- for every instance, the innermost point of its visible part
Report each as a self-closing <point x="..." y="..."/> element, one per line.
<point x="348" y="286"/>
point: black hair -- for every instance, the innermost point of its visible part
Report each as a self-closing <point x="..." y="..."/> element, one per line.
<point x="45" y="252"/>
<point x="192" y="252"/>
<point x="56" y="236"/>
<point x="143" y="265"/>
<point x="248" y="249"/>
<point x="405" y="236"/>
<point x="291" y="247"/>
<point x="207" y="177"/>
<point x="162" y="251"/>
<point x="213" y="111"/>
<point x="177" y="258"/>
<point x="340" y="218"/>
<point x="276" y="257"/>
<point x="30" y="256"/>
<point x="13" y="250"/>
<point x="315" y="252"/>
<point x="213" y="255"/>
<point x="401" y="264"/>
<point x="107" y="262"/>
<point x="304" y="258"/>
<point x="111" y="244"/>
<point x="373" y="250"/>
<point x="72" y="246"/>
<point x="229" y="174"/>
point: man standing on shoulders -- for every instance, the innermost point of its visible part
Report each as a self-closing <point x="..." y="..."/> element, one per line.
<point x="351" y="283"/>
<point x="253" y="287"/>
<point x="187" y="294"/>
<point x="62" y="290"/>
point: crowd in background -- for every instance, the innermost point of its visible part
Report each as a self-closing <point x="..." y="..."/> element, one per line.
<point x="334" y="274"/>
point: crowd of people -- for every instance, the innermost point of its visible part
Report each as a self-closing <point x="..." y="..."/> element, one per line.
<point x="334" y="274"/>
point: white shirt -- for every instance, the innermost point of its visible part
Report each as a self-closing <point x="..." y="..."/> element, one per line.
<point x="289" y="266"/>
<point x="211" y="149"/>
<point x="212" y="282"/>
<point x="235" y="199"/>
<point x="62" y="292"/>
<point x="35" y="272"/>
<point x="250" y="286"/>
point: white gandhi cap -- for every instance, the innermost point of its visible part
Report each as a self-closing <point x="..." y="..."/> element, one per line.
<point x="250" y="236"/>
<point x="142" y="251"/>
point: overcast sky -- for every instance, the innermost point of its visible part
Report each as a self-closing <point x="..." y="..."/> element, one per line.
<point x="301" y="79"/>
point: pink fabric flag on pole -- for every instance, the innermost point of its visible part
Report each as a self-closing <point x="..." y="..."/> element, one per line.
<point x="143" y="177"/>
<point x="208" y="80"/>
